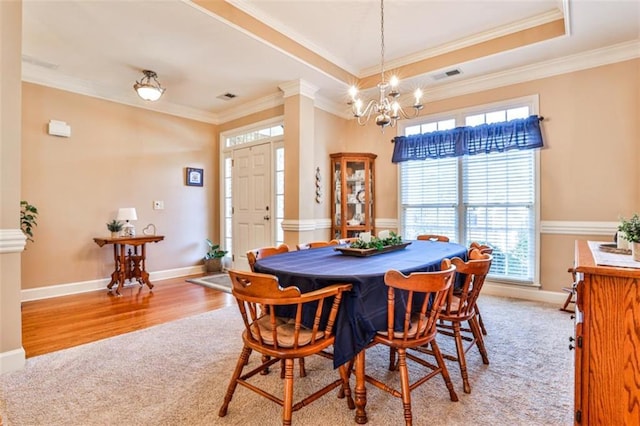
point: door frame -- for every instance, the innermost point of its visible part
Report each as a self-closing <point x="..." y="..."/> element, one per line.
<point x="226" y="152"/>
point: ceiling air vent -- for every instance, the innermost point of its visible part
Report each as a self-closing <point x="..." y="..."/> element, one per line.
<point x="447" y="74"/>
<point x="226" y="96"/>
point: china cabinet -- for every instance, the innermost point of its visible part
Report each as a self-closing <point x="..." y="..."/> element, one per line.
<point x="352" y="194"/>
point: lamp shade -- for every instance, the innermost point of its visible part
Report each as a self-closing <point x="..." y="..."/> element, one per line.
<point x="127" y="213"/>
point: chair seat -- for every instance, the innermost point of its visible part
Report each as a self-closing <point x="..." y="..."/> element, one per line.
<point x="413" y="327"/>
<point x="285" y="329"/>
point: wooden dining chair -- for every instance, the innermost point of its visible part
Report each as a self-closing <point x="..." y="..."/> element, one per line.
<point x="252" y="257"/>
<point x="259" y="253"/>
<point x="417" y="329"/>
<point x="316" y="244"/>
<point x="348" y="240"/>
<point x="259" y="296"/>
<point x="433" y="237"/>
<point x="483" y="248"/>
<point x="571" y="296"/>
<point x="460" y="308"/>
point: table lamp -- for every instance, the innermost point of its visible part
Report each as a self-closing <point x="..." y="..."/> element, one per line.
<point x="127" y="214"/>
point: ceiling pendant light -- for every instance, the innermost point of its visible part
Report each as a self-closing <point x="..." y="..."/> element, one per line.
<point x="148" y="88"/>
<point x="387" y="110"/>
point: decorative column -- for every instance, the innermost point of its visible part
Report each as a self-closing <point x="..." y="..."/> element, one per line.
<point x="299" y="169"/>
<point x="12" y="240"/>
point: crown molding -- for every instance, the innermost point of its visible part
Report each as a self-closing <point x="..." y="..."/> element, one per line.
<point x="494" y="33"/>
<point x="251" y="107"/>
<point x="591" y="59"/>
<point x="283" y="29"/>
<point x="12" y="241"/>
<point x="52" y="78"/>
<point x="581" y="61"/>
<point x="298" y="87"/>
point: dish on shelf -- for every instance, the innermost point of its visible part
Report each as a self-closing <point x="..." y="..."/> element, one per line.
<point x="361" y="196"/>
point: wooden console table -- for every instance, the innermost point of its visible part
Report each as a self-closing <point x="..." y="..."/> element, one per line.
<point x="129" y="265"/>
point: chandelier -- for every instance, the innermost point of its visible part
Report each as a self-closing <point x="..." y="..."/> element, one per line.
<point x="387" y="110"/>
<point x="148" y="88"/>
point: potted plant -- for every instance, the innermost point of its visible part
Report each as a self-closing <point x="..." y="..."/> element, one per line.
<point x="213" y="257"/>
<point x="115" y="226"/>
<point x="631" y="229"/>
<point x="28" y="216"/>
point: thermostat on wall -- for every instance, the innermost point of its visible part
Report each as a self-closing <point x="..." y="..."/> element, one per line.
<point x="59" y="128"/>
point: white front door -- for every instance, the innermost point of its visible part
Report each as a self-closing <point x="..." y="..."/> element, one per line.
<point x="252" y="197"/>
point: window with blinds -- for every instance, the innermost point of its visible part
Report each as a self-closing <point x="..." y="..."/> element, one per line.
<point x="485" y="198"/>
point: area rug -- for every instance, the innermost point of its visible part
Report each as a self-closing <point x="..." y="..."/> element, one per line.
<point x="218" y="282"/>
<point x="177" y="374"/>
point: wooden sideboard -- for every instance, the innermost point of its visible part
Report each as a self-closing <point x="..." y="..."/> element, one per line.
<point x="607" y="342"/>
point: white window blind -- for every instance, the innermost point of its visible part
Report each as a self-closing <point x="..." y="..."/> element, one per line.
<point x="485" y="198"/>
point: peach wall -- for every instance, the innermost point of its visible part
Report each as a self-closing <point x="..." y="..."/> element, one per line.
<point x="117" y="156"/>
<point x="588" y="166"/>
<point x="588" y="170"/>
<point x="330" y="136"/>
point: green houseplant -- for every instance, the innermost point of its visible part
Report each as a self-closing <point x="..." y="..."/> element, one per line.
<point x="28" y="216"/>
<point x="115" y="226"/>
<point x="213" y="257"/>
<point x="631" y="229"/>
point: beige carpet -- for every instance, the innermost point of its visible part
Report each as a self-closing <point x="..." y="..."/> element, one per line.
<point x="177" y="373"/>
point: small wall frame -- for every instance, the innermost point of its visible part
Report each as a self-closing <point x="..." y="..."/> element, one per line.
<point x="194" y="177"/>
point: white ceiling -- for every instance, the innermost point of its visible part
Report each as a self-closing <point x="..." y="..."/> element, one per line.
<point x="100" y="47"/>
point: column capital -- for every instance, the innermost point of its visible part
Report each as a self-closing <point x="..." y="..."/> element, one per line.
<point x="298" y="87"/>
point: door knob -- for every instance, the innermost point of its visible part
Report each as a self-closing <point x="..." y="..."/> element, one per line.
<point x="266" y="217"/>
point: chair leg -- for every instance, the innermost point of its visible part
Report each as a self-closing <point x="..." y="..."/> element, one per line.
<point x="461" y="357"/>
<point x="345" y="389"/>
<point x="443" y="370"/>
<point x="405" y="385"/>
<point x="484" y="330"/>
<point x="392" y="359"/>
<point x="303" y="372"/>
<point x="265" y="358"/>
<point x="242" y="361"/>
<point x="568" y="300"/>
<point x="479" y="340"/>
<point x="287" y="403"/>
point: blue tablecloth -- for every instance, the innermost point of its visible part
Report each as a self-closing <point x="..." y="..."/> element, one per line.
<point x="364" y="309"/>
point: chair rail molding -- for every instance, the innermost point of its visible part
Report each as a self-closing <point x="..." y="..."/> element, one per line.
<point x="578" y="228"/>
<point x="12" y="241"/>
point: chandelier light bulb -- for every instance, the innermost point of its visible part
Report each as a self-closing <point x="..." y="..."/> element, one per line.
<point x="393" y="81"/>
<point x="353" y="92"/>
<point x="418" y="96"/>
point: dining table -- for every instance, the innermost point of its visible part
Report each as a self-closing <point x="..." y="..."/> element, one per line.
<point x="363" y="310"/>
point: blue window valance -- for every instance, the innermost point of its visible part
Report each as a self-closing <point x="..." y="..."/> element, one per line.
<point x="522" y="133"/>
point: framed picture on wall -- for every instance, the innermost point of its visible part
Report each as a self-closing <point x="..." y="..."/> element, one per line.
<point x="194" y="177"/>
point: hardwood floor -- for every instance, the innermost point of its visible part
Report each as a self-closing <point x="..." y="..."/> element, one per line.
<point x="52" y="324"/>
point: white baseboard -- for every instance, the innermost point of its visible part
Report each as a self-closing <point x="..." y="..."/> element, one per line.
<point x="12" y="360"/>
<point x="521" y="292"/>
<point x="85" y="286"/>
